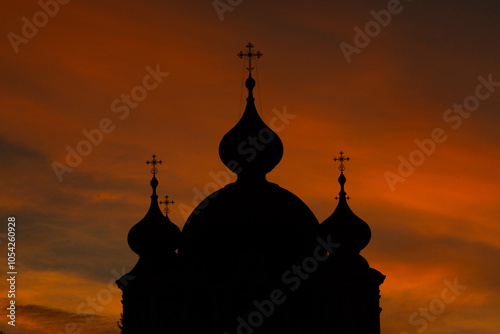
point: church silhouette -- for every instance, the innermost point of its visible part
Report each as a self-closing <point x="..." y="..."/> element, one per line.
<point x="252" y="257"/>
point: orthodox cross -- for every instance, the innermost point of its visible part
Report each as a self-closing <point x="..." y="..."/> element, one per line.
<point x="166" y="202"/>
<point x="250" y="54"/>
<point x="154" y="162"/>
<point x="341" y="159"/>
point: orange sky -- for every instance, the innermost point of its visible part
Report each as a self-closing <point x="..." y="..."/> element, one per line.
<point x="439" y="225"/>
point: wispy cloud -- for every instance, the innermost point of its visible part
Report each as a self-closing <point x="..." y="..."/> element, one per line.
<point x="441" y="223"/>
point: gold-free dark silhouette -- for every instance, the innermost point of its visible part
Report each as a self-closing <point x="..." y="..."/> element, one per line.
<point x="252" y="257"/>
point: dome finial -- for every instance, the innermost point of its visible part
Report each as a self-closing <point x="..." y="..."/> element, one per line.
<point x="341" y="159"/>
<point x="342" y="179"/>
<point x="250" y="54"/>
<point x="250" y="83"/>
<point x="154" y="171"/>
<point x="154" y="162"/>
<point x="166" y="202"/>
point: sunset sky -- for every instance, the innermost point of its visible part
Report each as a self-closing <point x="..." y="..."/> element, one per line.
<point x="428" y="73"/>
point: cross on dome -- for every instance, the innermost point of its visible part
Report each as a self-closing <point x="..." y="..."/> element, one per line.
<point x="154" y="162"/>
<point x="166" y="202"/>
<point x="341" y="159"/>
<point x="250" y="55"/>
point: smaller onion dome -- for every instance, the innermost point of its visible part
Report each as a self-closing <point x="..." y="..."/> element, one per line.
<point x="345" y="228"/>
<point x="155" y="234"/>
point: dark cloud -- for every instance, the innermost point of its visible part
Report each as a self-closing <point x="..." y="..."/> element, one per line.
<point x="39" y="319"/>
<point x="395" y="90"/>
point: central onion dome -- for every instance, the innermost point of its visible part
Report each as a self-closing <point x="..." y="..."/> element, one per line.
<point x="251" y="149"/>
<point x="250" y="230"/>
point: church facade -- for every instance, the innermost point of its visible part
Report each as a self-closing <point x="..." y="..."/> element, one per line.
<point x="242" y="265"/>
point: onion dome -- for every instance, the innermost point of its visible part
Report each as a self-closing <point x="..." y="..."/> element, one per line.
<point x="251" y="149"/>
<point x="343" y="225"/>
<point x="155" y="234"/>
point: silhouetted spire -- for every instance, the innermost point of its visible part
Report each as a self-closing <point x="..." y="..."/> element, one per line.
<point x="343" y="225"/>
<point x="251" y="149"/>
<point x="342" y="178"/>
<point x="154" y="235"/>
